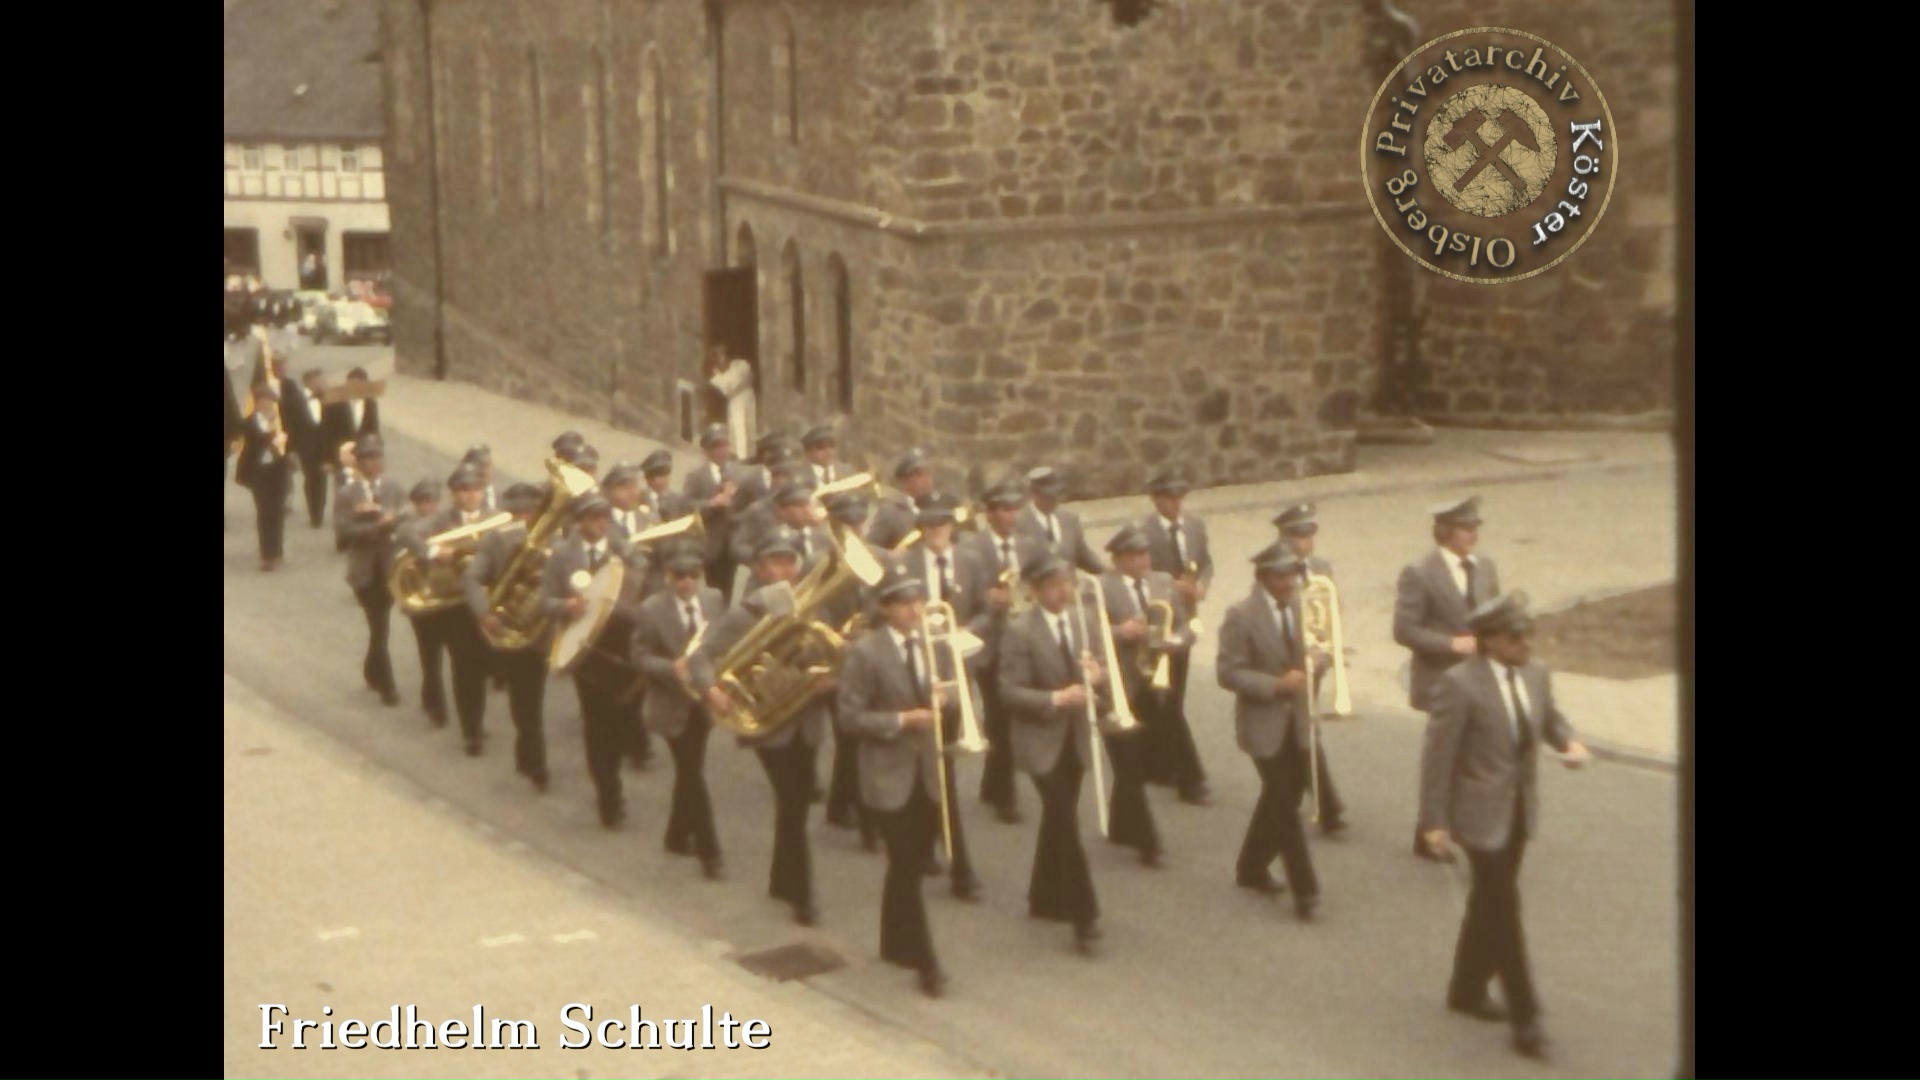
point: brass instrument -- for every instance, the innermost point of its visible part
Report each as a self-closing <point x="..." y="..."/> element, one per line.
<point x="601" y="591"/>
<point x="1320" y="627"/>
<point x="772" y="672"/>
<point x="858" y="482"/>
<point x="939" y="626"/>
<point x="422" y="589"/>
<point x="1156" y="663"/>
<point x="1088" y="591"/>
<point x="1020" y="599"/>
<point x="1194" y="627"/>
<point x="690" y="526"/>
<point x="514" y="598"/>
<point x="906" y="542"/>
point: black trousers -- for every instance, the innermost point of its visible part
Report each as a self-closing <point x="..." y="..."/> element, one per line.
<point x="1331" y="808"/>
<point x="638" y="741"/>
<point x="720" y="572"/>
<point x="270" y="511"/>
<point x="604" y="723"/>
<point x="526" y="675"/>
<point x="472" y="663"/>
<point x="1062" y="885"/>
<point x="377" y="603"/>
<point x="1275" y="826"/>
<point x="843" y="788"/>
<point x="1491" y="942"/>
<point x="690" y="818"/>
<point x="431" y="634"/>
<point x="1169" y="754"/>
<point x="1129" y="816"/>
<point x="314" y="477"/>
<point x="996" y="777"/>
<point x="962" y="866"/>
<point x="790" y="771"/>
<point x="905" y="937"/>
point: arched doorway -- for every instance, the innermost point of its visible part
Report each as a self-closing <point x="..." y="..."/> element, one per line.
<point x="732" y="319"/>
<point x="842" y="333"/>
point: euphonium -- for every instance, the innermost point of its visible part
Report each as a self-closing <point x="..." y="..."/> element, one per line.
<point x="514" y="598"/>
<point x="773" y="671"/>
<point x="436" y="585"/>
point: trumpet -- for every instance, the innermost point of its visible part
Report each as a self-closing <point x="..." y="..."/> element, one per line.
<point x="939" y="627"/>
<point x="1156" y="663"/>
<point x="1087" y="590"/>
<point x="1020" y="599"/>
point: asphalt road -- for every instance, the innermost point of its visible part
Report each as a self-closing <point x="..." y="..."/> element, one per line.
<point x="1196" y="977"/>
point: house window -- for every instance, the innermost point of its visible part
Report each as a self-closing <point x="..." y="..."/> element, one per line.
<point x="250" y="159"/>
<point x="349" y="159"/>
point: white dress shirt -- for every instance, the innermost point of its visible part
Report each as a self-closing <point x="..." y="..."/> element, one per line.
<point x="1282" y="618"/>
<point x="823" y="473"/>
<point x="1507" y="690"/>
<point x="936" y="590"/>
<point x="1181" y="549"/>
<point x="1008" y="551"/>
<point x="313" y="405"/>
<point x="690" y="612"/>
<point x="1136" y="588"/>
<point x="596" y="553"/>
<point x="359" y="407"/>
<point x="629" y="520"/>
<point x="1459" y="576"/>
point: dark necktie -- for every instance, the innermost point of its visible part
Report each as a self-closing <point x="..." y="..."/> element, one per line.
<point x="1466" y="567"/>
<point x="593" y="559"/>
<point x="1523" y="741"/>
<point x="1179" y="552"/>
<point x="693" y="620"/>
<point x="1006" y="554"/>
<point x="806" y="549"/>
<point x="1066" y="649"/>
<point x="946" y="584"/>
<point x="1140" y="590"/>
<point x="913" y="662"/>
<point x="1286" y="623"/>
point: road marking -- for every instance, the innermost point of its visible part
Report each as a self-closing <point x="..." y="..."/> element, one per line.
<point x="345" y="931"/>
<point x="577" y="935"/>
<point x="504" y="939"/>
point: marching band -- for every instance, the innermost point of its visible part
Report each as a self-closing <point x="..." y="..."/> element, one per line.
<point x="917" y="627"/>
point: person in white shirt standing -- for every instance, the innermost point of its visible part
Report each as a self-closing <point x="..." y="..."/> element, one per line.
<point x="1479" y="788"/>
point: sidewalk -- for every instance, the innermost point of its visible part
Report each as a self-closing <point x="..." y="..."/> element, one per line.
<point x="1632" y="721"/>
<point x="519" y="935"/>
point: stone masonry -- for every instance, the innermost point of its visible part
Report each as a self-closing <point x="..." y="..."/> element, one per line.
<point x="1053" y="236"/>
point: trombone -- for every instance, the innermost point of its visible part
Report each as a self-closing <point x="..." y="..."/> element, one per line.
<point x="1087" y="590"/>
<point x="1320" y="631"/>
<point x="940" y="626"/>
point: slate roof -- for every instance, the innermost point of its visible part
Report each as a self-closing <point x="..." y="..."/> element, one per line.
<point x="329" y="47"/>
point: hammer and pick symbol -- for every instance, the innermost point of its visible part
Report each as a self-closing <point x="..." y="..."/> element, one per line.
<point x="1466" y="130"/>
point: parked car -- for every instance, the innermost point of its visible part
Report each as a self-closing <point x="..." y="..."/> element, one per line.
<point x="312" y="302"/>
<point x="352" y="322"/>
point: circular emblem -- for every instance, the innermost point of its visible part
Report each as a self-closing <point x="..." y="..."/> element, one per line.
<point x="1489" y="155"/>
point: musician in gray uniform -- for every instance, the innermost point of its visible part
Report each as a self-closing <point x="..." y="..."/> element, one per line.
<point x="658" y="496"/>
<point x="713" y="487"/>
<point x="1046" y="666"/>
<point x="1129" y="591"/>
<point x="454" y="627"/>
<point x="621" y="486"/>
<point x="567" y="445"/>
<point x="524" y="670"/>
<point x="668" y="621"/>
<point x="776" y="458"/>
<point x="480" y="457"/>
<point x="894" y="518"/>
<point x="821" y="448"/>
<point x="1004" y="550"/>
<point x="1045" y="522"/>
<point x="1178" y="546"/>
<point x="364" y="517"/>
<point x="630" y="517"/>
<point x="1434" y="597"/>
<point x="787" y="752"/>
<point x="1262" y="663"/>
<point x="885" y="703"/>
<point x="603" y="675"/>
<point x="1479" y="788"/>
<point x="763" y="517"/>
<point x="1298" y="527"/>
<point x="850" y="512"/>
<point x="956" y="577"/>
<point x="429" y="629"/>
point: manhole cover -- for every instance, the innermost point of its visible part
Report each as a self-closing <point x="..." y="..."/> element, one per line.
<point x="798" y="961"/>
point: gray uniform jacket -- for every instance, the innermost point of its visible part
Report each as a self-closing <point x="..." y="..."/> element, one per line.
<point x="659" y="638"/>
<point x="894" y="517"/>
<point x="1193" y="544"/>
<point x="985" y="546"/>
<point x="1031" y="669"/>
<point x="368" y="544"/>
<point x="1429" y="612"/>
<point x="489" y="561"/>
<point x="698" y="487"/>
<point x="810" y="724"/>
<point x="875" y="688"/>
<point x="970" y="577"/>
<point x="570" y="554"/>
<point x="1253" y="653"/>
<point x="1123" y="604"/>
<point x="1073" y="545"/>
<point x="1471" y="769"/>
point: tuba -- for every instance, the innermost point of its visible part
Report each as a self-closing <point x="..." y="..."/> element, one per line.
<point x="436" y="585"/>
<point x="514" y="597"/>
<point x="772" y="672"/>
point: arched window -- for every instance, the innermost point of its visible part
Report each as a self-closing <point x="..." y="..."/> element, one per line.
<point x="796" y="314"/>
<point x="593" y="102"/>
<point x="536" y="178"/>
<point x="489" y="158"/>
<point x="842" y="332"/>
